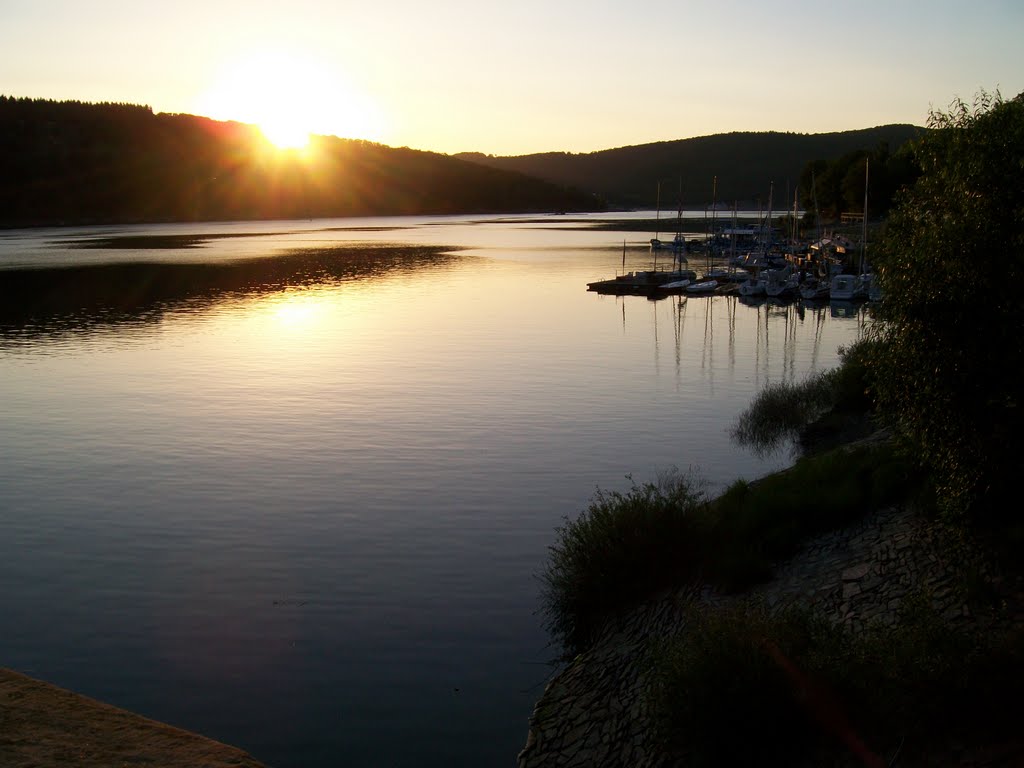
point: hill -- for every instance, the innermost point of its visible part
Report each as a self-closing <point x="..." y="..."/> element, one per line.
<point x="745" y="165"/>
<point x="74" y="163"/>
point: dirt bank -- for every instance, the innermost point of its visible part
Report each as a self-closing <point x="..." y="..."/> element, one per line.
<point x="42" y="725"/>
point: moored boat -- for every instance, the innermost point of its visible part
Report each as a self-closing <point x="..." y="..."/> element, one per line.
<point x="703" y="287"/>
<point x="781" y="283"/>
<point x="846" y="287"/>
<point x="754" y="285"/>
<point x="813" y="289"/>
<point x="640" y="282"/>
<point x="677" y="286"/>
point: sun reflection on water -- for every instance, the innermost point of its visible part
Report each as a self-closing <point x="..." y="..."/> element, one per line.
<point x="297" y="310"/>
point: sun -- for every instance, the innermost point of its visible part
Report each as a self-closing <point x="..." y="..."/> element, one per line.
<point x="289" y="96"/>
<point x="284" y="133"/>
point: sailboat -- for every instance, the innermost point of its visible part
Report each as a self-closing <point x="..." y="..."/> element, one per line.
<point x="756" y="283"/>
<point x="868" y="285"/>
<point x="679" y="241"/>
<point x="847" y="287"/>
<point x="781" y="283"/>
<point x="656" y="244"/>
<point x="816" y="287"/>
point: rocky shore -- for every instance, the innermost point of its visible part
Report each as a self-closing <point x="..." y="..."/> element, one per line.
<point x="593" y="712"/>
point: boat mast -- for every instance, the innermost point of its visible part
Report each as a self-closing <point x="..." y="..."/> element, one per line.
<point x="714" y="214"/>
<point x="679" y="242"/>
<point x="657" y="218"/>
<point x="656" y="242"/>
<point x="732" y="236"/>
<point x="824" y="269"/>
<point x="864" y="223"/>
<point x="795" y="231"/>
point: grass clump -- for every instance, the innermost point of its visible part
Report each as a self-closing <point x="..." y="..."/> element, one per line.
<point x="743" y="687"/>
<point x="827" y="407"/>
<point x="622" y="549"/>
<point x="627" y="547"/>
<point x="780" y="411"/>
<point x="753" y="525"/>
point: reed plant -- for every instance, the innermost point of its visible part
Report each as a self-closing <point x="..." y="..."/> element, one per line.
<point x="828" y="407"/>
<point x="625" y="547"/>
<point x="781" y="410"/>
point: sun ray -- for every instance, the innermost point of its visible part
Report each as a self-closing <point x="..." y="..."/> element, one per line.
<point x="289" y="96"/>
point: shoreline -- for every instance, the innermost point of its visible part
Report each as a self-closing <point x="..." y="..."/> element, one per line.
<point x="595" y="710"/>
<point x="42" y="724"/>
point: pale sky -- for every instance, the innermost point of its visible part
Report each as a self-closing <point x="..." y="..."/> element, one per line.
<point x="523" y="76"/>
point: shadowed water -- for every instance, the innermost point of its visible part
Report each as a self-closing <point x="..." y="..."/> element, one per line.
<point x="288" y="484"/>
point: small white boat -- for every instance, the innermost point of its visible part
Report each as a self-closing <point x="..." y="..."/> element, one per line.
<point x="722" y="274"/>
<point x="706" y="286"/>
<point x="847" y="288"/>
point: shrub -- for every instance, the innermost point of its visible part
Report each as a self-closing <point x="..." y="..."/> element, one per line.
<point x="852" y="388"/>
<point x="721" y="695"/>
<point x="739" y="686"/>
<point x="950" y="264"/>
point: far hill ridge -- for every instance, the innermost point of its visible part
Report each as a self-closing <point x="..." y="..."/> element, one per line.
<point x="745" y="165"/>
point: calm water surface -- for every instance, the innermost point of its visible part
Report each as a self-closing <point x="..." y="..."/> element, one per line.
<point x="288" y="484"/>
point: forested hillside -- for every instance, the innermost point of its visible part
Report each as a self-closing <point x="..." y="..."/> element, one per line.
<point x="71" y="162"/>
<point x="745" y="165"/>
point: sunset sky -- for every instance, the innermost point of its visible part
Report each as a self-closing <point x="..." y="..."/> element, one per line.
<point x="518" y="77"/>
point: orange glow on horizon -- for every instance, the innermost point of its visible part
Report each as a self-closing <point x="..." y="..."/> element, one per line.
<point x="289" y="97"/>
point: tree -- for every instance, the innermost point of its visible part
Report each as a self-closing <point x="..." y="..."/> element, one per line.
<point x="951" y="337"/>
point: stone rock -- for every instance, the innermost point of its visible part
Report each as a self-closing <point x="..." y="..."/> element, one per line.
<point x="595" y="712"/>
<point x="857" y="572"/>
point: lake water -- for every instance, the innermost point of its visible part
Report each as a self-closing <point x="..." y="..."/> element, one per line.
<point x="289" y="484"/>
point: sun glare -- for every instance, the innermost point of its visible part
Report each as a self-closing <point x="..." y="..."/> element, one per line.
<point x="289" y="97"/>
<point x="284" y="135"/>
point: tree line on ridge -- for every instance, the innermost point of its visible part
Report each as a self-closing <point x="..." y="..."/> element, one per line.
<point x="77" y="163"/>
